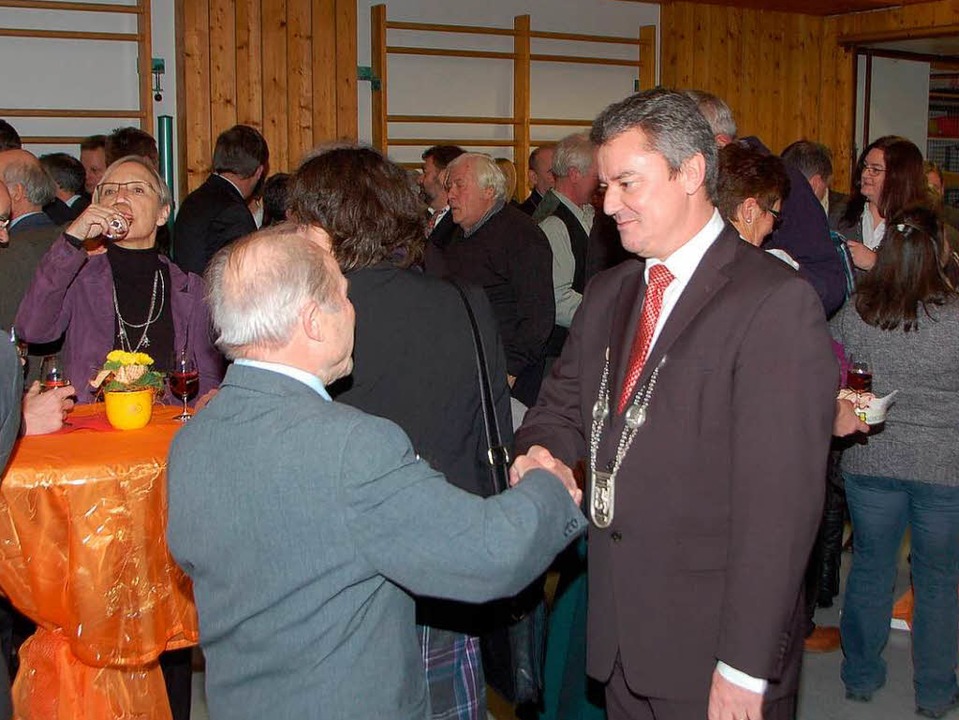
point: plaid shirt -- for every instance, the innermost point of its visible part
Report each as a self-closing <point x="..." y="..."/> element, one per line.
<point x="454" y="673"/>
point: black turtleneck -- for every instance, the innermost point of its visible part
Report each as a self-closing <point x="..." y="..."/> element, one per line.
<point x="133" y="275"/>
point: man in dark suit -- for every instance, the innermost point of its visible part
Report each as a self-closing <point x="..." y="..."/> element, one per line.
<point x="804" y="233"/>
<point x="30" y="189"/>
<point x="69" y="177"/>
<point x="302" y="577"/>
<point x="432" y="182"/>
<point x="540" y="175"/>
<point x="700" y="386"/>
<point x="216" y="214"/>
<point x="93" y="157"/>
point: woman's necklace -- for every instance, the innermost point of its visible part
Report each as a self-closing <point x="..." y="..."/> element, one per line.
<point x="144" y="342"/>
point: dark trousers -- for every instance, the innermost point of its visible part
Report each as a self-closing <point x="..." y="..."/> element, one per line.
<point x="623" y="704"/>
<point x="177" y="666"/>
<point x="822" y="572"/>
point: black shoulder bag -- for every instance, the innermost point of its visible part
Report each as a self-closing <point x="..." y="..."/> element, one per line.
<point x="514" y="643"/>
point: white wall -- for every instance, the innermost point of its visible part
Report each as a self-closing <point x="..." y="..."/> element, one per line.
<point x="899" y="101"/>
<point x="469" y="86"/>
<point x="86" y="74"/>
<point x="80" y="74"/>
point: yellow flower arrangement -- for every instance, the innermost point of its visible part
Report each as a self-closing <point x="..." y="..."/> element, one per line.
<point x="128" y="371"/>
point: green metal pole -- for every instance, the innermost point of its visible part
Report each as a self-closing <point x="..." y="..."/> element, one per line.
<point x="167" y="151"/>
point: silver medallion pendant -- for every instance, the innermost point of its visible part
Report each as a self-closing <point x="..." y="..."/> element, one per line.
<point x="635" y="416"/>
<point x="602" y="498"/>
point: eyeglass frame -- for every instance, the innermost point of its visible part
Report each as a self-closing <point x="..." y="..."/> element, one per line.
<point x="777" y="217"/>
<point x="119" y="185"/>
<point x="872" y="170"/>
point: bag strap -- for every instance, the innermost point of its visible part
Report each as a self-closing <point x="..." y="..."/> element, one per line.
<point x="496" y="454"/>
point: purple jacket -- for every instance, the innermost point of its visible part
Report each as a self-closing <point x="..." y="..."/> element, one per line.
<point x="72" y="292"/>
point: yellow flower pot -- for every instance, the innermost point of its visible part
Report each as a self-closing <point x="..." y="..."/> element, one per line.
<point x="129" y="409"/>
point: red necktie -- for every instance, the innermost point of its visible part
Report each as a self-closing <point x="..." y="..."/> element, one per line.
<point x="431" y="223"/>
<point x="659" y="280"/>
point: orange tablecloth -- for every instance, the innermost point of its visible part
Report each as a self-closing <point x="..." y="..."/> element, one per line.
<point x="83" y="554"/>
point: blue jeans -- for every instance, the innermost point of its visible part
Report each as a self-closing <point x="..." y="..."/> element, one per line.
<point x="880" y="508"/>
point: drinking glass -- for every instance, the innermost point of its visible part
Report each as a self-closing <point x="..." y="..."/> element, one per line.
<point x="184" y="380"/>
<point x="859" y="380"/>
<point x="51" y="373"/>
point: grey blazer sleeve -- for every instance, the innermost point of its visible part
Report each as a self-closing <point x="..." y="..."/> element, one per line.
<point x="437" y="540"/>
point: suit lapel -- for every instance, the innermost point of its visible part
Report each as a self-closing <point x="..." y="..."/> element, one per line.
<point x="708" y="279"/>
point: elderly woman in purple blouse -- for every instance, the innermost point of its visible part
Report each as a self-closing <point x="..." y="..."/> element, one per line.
<point x="119" y="294"/>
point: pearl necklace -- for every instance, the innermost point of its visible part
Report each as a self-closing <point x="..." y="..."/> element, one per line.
<point x="144" y="342"/>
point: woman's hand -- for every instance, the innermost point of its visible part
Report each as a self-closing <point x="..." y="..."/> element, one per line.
<point x="92" y="222"/>
<point x="862" y="257"/>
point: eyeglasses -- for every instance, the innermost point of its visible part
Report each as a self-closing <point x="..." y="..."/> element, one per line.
<point x="134" y="187"/>
<point x="777" y="218"/>
<point x="873" y="169"/>
<point x="4" y="222"/>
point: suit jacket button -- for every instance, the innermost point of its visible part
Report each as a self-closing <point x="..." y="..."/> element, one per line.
<point x="616" y="536"/>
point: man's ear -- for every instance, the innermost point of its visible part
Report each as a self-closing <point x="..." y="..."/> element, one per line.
<point x="312" y="321"/>
<point x="693" y="173"/>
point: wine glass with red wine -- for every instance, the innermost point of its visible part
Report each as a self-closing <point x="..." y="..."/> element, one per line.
<point x="51" y="374"/>
<point x="184" y="380"/>
<point x="859" y="379"/>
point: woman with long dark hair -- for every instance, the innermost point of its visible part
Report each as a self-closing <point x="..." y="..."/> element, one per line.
<point x="413" y="363"/>
<point x="904" y="319"/>
<point x="889" y="178"/>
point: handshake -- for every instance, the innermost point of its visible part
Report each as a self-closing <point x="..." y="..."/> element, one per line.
<point x="539" y="458"/>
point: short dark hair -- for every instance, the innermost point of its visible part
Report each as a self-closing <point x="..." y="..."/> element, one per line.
<point x="442" y="155"/>
<point x="67" y="172"/>
<point x="93" y="142"/>
<point x="240" y="150"/>
<point x="810" y="158"/>
<point x="9" y="137"/>
<point x="367" y="204"/>
<point x="531" y="165"/>
<point x="673" y="126"/>
<point x="748" y="173"/>
<point x="276" y="198"/>
<point x="909" y="273"/>
<point x="131" y="141"/>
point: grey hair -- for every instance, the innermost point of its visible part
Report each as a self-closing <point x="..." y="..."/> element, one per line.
<point x="716" y="112"/>
<point x="673" y="126"/>
<point x="810" y="158"/>
<point x="258" y="285"/>
<point x="166" y="197"/>
<point x="485" y="171"/>
<point x="38" y="186"/>
<point x="573" y="151"/>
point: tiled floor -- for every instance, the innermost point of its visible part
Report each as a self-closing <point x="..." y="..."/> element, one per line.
<point x="821" y="695"/>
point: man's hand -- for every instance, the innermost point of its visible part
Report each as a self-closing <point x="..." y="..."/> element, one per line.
<point x="202" y="402"/>
<point x="539" y="457"/>
<point x="45" y="412"/>
<point x="728" y="701"/>
<point x="862" y="257"/>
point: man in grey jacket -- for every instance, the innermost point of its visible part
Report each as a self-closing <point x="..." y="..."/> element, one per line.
<point x="304" y="523"/>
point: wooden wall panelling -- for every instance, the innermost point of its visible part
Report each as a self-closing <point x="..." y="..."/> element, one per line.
<point x="702" y="60"/>
<point x="275" y="128"/>
<point x="647" y="56"/>
<point x="249" y="64"/>
<point x="324" y="81"/>
<point x="345" y="69"/>
<point x="299" y="41"/>
<point x="196" y="147"/>
<point x="223" y="83"/>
